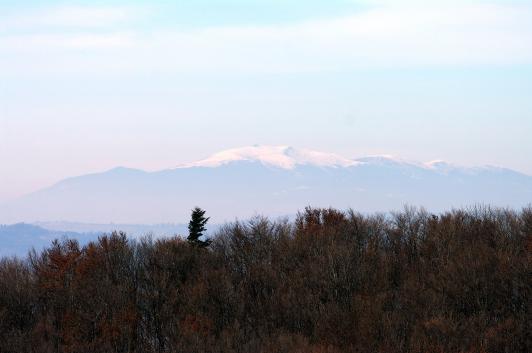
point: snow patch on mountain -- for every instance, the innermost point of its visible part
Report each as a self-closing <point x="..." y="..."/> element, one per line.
<point x="441" y="166"/>
<point x="389" y="161"/>
<point x="381" y="159"/>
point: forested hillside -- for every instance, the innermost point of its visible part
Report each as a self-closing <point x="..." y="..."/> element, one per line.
<point x="330" y="281"/>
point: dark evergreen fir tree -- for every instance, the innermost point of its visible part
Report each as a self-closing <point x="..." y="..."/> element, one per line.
<point x="196" y="227"/>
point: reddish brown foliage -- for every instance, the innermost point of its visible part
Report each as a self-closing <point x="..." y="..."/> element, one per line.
<point x="329" y="282"/>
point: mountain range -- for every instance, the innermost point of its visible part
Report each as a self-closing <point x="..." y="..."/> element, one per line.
<point x="269" y="180"/>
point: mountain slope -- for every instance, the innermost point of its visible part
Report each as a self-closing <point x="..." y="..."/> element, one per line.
<point x="268" y="180"/>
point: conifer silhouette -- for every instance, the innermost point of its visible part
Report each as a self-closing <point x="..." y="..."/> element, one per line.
<point x="196" y="227"/>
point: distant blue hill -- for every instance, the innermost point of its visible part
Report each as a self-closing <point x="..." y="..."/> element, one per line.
<point x="132" y="230"/>
<point x="19" y="239"/>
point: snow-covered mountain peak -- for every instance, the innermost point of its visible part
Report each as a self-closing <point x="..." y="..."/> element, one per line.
<point x="285" y="157"/>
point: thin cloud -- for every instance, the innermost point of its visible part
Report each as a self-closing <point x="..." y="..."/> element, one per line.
<point x="51" y="42"/>
<point x="383" y="37"/>
<point x="71" y="16"/>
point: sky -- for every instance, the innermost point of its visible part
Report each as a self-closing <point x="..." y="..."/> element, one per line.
<point x="86" y="86"/>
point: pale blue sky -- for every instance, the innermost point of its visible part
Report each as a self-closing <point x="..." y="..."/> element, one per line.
<point x="89" y="85"/>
